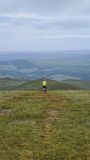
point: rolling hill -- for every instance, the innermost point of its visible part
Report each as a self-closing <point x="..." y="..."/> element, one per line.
<point x="51" y="85"/>
<point x="17" y="84"/>
<point x="78" y="83"/>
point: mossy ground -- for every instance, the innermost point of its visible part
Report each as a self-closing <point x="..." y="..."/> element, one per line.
<point x="55" y="127"/>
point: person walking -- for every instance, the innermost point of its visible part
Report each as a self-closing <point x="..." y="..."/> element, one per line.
<point x="44" y="83"/>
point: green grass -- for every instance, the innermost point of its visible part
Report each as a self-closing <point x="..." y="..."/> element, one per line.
<point x="55" y="127"/>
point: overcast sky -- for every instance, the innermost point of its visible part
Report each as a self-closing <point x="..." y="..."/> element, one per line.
<point x="44" y="25"/>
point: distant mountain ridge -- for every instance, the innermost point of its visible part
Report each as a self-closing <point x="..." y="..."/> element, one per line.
<point x="56" y="66"/>
<point x="6" y="55"/>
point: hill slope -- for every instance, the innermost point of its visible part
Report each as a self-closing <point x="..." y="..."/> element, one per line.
<point x="10" y="83"/>
<point x="78" y="83"/>
<point x="15" y="84"/>
<point x="33" y="127"/>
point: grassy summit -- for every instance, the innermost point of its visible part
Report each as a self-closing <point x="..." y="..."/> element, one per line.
<point x="55" y="127"/>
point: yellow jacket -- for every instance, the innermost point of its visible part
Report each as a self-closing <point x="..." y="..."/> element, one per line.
<point x="44" y="83"/>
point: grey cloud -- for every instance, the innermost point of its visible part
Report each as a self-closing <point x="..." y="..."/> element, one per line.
<point x="63" y="22"/>
<point x="76" y="12"/>
<point x="46" y="7"/>
<point x="44" y="23"/>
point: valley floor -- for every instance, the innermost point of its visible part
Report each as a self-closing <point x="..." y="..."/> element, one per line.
<point x="55" y="127"/>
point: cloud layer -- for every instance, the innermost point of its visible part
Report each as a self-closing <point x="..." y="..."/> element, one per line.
<point x="39" y="25"/>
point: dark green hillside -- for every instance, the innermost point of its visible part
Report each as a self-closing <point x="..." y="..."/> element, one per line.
<point x="17" y="84"/>
<point x="14" y="84"/>
<point x="78" y="83"/>
<point x="51" y="85"/>
<point x="10" y="83"/>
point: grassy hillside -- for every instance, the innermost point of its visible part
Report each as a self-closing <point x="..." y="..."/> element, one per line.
<point x="55" y="127"/>
<point x="9" y="83"/>
<point x="51" y="85"/>
<point x="78" y="83"/>
<point x="14" y="84"/>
